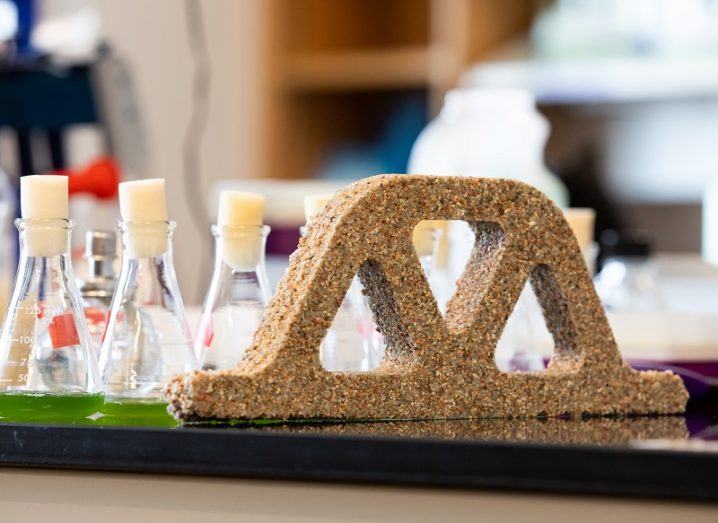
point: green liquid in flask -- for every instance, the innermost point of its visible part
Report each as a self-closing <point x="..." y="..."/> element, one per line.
<point x="41" y="406"/>
<point x="136" y="413"/>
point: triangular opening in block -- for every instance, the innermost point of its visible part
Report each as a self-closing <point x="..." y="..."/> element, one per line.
<point x="353" y="343"/>
<point x="466" y="255"/>
<point x="444" y="248"/>
<point x="526" y="343"/>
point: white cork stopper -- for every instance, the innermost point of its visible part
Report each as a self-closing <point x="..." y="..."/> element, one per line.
<point x="314" y="204"/>
<point x="44" y="197"/>
<point x="143" y="206"/>
<point x="240" y="208"/>
<point x="143" y="201"/>
<point x="240" y="215"/>
<point x="581" y="221"/>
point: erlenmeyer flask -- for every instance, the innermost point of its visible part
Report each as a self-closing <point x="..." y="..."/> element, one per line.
<point x="352" y="343"/>
<point x="237" y="296"/>
<point x="48" y="366"/>
<point x="516" y="350"/>
<point x="147" y="339"/>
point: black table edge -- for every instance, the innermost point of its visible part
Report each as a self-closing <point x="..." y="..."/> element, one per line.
<point x="257" y="454"/>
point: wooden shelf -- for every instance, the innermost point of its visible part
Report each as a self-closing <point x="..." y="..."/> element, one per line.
<point x="348" y="25"/>
<point x="336" y="71"/>
<point x="358" y="69"/>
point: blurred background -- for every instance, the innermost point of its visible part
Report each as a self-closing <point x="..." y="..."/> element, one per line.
<point x="223" y="93"/>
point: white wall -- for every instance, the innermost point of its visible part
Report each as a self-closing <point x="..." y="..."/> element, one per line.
<point x="152" y="37"/>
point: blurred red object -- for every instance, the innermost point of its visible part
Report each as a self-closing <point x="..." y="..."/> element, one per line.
<point x="99" y="178"/>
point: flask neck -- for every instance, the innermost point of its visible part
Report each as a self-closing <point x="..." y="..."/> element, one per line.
<point x="143" y="240"/>
<point x="247" y="286"/>
<point x="147" y="272"/>
<point x="44" y="238"/>
<point x="240" y="249"/>
<point x="240" y="262"/>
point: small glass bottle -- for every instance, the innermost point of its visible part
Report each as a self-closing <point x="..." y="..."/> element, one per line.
<point x="48" y="368"/>
<point x="628" y="280"/>
<point x="630" y="285"/>
<point x="98" y="287"/>
<point x="237" y="296"/>
<point x="147" y="339"/>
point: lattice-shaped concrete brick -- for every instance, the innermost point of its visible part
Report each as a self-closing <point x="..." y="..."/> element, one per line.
<point x="434" y="367"/>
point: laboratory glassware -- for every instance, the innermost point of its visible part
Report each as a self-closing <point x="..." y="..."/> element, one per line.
<point x="628" y="278"/>
<point x="237" y="296"/>
<point x="147" y="340"/>
<point x="48" y="365"/>
<point x="7" y="240"/>
<point x="352" y="343"/>
<point x="427" y="238"/>
<point x="512" y="133"/>
<point x="517" y="349"/>
<point x="709" y="225"/>
<point x="98" y="287"/>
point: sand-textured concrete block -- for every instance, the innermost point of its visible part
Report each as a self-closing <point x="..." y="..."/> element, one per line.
<point x="434" y="367"/>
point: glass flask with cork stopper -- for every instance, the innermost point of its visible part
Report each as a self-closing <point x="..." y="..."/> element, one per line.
<point x="48" y="368"/>
<point x="239" y="291"/>
<point x="147" y="340"/>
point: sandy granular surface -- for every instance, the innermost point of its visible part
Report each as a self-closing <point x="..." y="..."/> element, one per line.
<point x="434" y="367"/>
